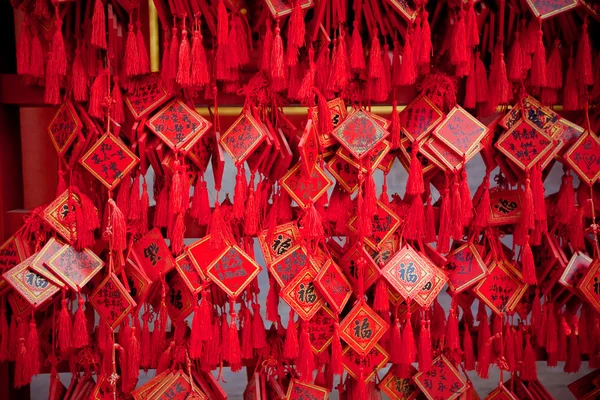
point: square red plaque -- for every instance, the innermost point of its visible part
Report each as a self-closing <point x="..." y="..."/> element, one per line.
<point x="337" y="112"/>
<point x="190" y="273"/>
<point x="505" y="207"/>
<point x="289" y="265"/>
<point x="111" y="301"/>
<point x="344" y="171"/>
<point x="243" y="137"/>
<point x="584" y="157"/>
<point x="31" y="285"/>
<point x="442" y="381"/>
<point x="362" y="328"/>
<point x="461" y="131"/>
<point x="304" y="391"/>
<point x="303" y="188"/>
<point x="349" y="264"/>
<point x="178" y="125"/>
<point x="419" y="118"/>
<point x="233" y="270"/>
<point x="465" y="267"/>
<point x="334" y="285"/>
<point x="59" y="217"/>
<point x="502" y="289"/>
<point x="407" y="272"/>
<point x="64" y="127"/>
<point x="137" y="281"/>
<point x="283" y="239"/>
<point x="147" y="95"/>
<point x="372" y="362"/>
<point x="73" y="267"/>
<point x="384" y="224"/>
<point x="109" y="160"/>
<point x="301" y="295"/>
<point x="359" y="133"/>
<point x="399" y="388"/>
<point x="524" y="144"/>
<point x="436" y="149"/>
<point x="202" y="255"/>
<point x="43" y="256"/>
<point x="153" y="255"/>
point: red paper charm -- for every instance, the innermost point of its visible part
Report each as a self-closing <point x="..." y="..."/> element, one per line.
<point x="362" y="328"/>
<point x="111" y="301"/>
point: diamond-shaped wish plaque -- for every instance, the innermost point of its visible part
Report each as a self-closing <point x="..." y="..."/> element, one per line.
<point x="233" y="270"/>
<point x="309" y="147"/>
<point x="320" y="329"/>
<point x="153" y="255"/>
<point x="75" y="268"/>
<point x="442" y="381"/>
<point x="305" y="391"/>
<point x="432" y="287"/>
<point x="302" y="296"/>
<point x="109" y="160"/>
<point x="64" y="127"/>
<point x="243" y="137"/>
<point x="375" y="359"/>
<point x="58" y="215"/>
<point x="419" y="118"/>
<point x="284" y="237"/>
<point x="399" y="388"/>
<point x="34" y="287"/>
<point x="344" y="171"/>
<point x="111" y="301"/>
<point x="190" y="273"/>
<point x="461" y="131"/>
<point x="549" y="8"/>
<point x="180" y="301"/>
<point x="12" y="252"/>
<point x="178" y="126"/>
<point x="502" y="289"/>
<point x="362" y="328"/>
<point x="465" y="267"/>
<point x="407" y="272"/>
<point x="350" y="263"/>
<point x="303" y="188"/>
<point x="590" y="285"/>
<point x="289" y="265"/>
<point x="148" y="93"/>
<point x="334" y="285"/>
<point x="359" y="133"/>
<point x="584" y="157"/>
<point x="524" y="144"/>
<point x="384" y="224"/>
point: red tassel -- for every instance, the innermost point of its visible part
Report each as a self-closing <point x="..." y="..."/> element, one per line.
<point x="424" y="354"/>
<point x="183" y="72"/>
<point x="336" y="351"/>
<point x="424" y="57"/>
<point x="296" y="30"/>
<point x="570" y="92"/>
<point x="290" y="346"/>
<point x="165" y="359"/>
<point x="4" y="335"/>
<point x="573" y="363"/>
<point x="161" y="218"/>
<point x="483" y="362"/>
<point x="272" y="300"/>
<point x="538" y="64"/>
<point x="305" y="92"/>
<point x="200" y="204"/>
<point x="444" y="233"/>
<point x="144" y="62"/>
<point x="80" y="80"/>
<point x="222" y="24"/>
<point x="325" y="124"/>
<point x="98" y="94"/>
<point x="468" y="349"/>
<point x="306" y="360"/>
<point x="277" y="63"/>
<point x="551" y="335"/>
<point x="24" y="48"/>
<point x="471" y="27"/>
<point x="132" y="54"/>
<point x="267" y="43"/>
<point x="538" y="193"/>
<point x="357" y="53"/>
<point x="375" y="60"/>
<point x="565" y="203"/>
<point x="582" y="329"/>
<point x="516" y="68"/>
<point x="408" y="74"/>
<point x="370" y="200"/>
<point x="483" y="330"/>
<point x="99" y="26"/>
<point x="119" y="228"/>
<point x="456" y="205"/>
<point x="144" y="205"/>
<point x="197" y="328"/>
<point x="536" y="312"/>
<point x="118" y="113"/>
<point x="527" y="218"/>
<point x="80" y="333"/>
<point x="36" y="60"/>
<point x="20" y="371"/>
<point x="381" y="302"/>
<point x="395" y="127"/>
<point x="311" y="225"/>
<point x="340" y="73"/>
<point x="429" y="234"/>
<point x="124" y="195"/>
<point x="52" y="92"/>
<point x="498" y="85"/>
<point x="585" y="72"/>
<point x="395" y="343"/>
<point x="409" y="348"/>
<point x="259" y="340"/>
<point x="470" y="100"/>
<point x="465" y="197"/>
<point x="414" y="184"/>
<point x="529" y="369"/>
<point x="252" y="211"/>
<point x="452" y="337"/>
<point x="415" y="222"/>
<point x="64" y="327"/>
<point x="58" y="59"/>
<point x="235" y="353"/>
<point x="246" y="341"/>
<point x="554" y="70"/>
<point x="458" y="48"/>
<point x="220" y="234"/>
<point x="204" y="317"/>
<point x="481" y="80"/>
<point x="32" y="361"/>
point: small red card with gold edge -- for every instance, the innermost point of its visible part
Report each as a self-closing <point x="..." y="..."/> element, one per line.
<point x="372" y="362"/>
<point x="359" y="133"/>
<point x="73" y="267"/>
<point x="362" y="328"/>
<point x="289" y="265"/>
<point x="337" y="112"/>
<point x="18" y="304"/>
<point x="303" y="188"/>
<point x="284" y="238"/>
<point x="576" y="270"/>
<point x="540" y="116"/>
<point x="111" y="301"/>
<point x="109" y="160"/>
<point x="442" y="371"/>
<point x="419" y="118"/>
<point x="505" y="207"/>
<point x="350" y="263"/>
<point x="589" y="286"/>
<point x="190" y="273"/>
<point x="279" y="8"/>
<point x="44" y="255"/>
<point x="304" y="391"/>
<point x="334" y="285"/>
<point x="502" y="289"/>
<point x="242" y="137"/>
<point x="202" y="255"/>
<point x="432" y="287"/>
<point x="429" y="163"/>
<point x="137" y="281"/>
<point x="524" y="144"/>
<point x="384" y="224"/>
<point x="407" y="272"/>
<point x="147" y="95"/>
<point x="64" y="127"/>
<point x="384" y="252"/>
<point x="12" y="252"/>
<point x="309" y="147"/>
<point x="233" y="270"/>
<point x="153" y="255"/>
<point x="61" y="218"/>
<point x="449" y="159"/>
<point x="584" y="157"/>
<point x="31" y="285"/>
<point x="321" y="329"/>
<point x="180" y="301"/>
<point x="344" y="171"/>
<point x="399" y="388"/>
<point x="178" y="126"/>
<point x="301" y="295"/>
<point x="461" y="131"/>
<point x="465" y="267"/>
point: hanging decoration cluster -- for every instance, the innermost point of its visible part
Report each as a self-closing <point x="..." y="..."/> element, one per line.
<point x="360" y="269"/>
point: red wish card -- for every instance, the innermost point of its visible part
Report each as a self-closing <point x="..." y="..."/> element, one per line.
<point x="243" y="137"/>
<point x="372" y="362"/>
<point x="590" y="285"/>
<point x="111" y="301"/>
<point x="524" y="144"/>
<point x="442" y="381"/>
<point x="178" y="126"/>
<point x="109" y="160"/>
<point x="180" y="301"/>
<point x="501" y="393"/>
<point x="548" y="8"/>
<point x="20" y="306"/>
<point x="301" y="295"/>
<point x="461" y="131"/>
<point x="570" y="132"/>
<point x="359" y="133"/>
<point x="12" y="252"/>
<point x="384" y="252"/>
<point x="384" y="224"/>
<point x="137" y="281"/>
<point x="362" y="328"/>
<point x="284" y="237"/>
<point x="305" y="189"/>
<point x="505" y="207"/>
<point x="321" y="329"/>
<point x="304" y="391"/>
<point x="32" y="286"/>
<point x="337" y="112"/>
<point x="407" y="272"/>
<point x="576" y="270"/>
<point x="432" y="287"/>
<point x="429" y="163"/>
<point x="399" y="388"/>
<point x="147" y="95"/>
<point x="309" y="147"/>
<point x="436" y="149"/>
<point x="584" y="157"/>
<point x="502" y="289"/>
<point x="75" y="268"/>
<point x="289" y="265"/>
<point x="419" y="118"/>
<point x="153" y="255"/>
<point x="202" y="150"/>
<point x="404" y="8"/>
<point x="64" y="127"/>
<point x="202" y="255"/>
<point x="279" y="8"/>
<point x="233" y="270"/>
<point x="344" y="171"/>
<point x="351" y="261"/>
<point x="58" y="215"/>
<point x="465" y="267"/>
<point x="540" y="116"/>
<point x="190" y="273"/>
<point x="44" y="255"/>
<point x="334" y="285"/>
